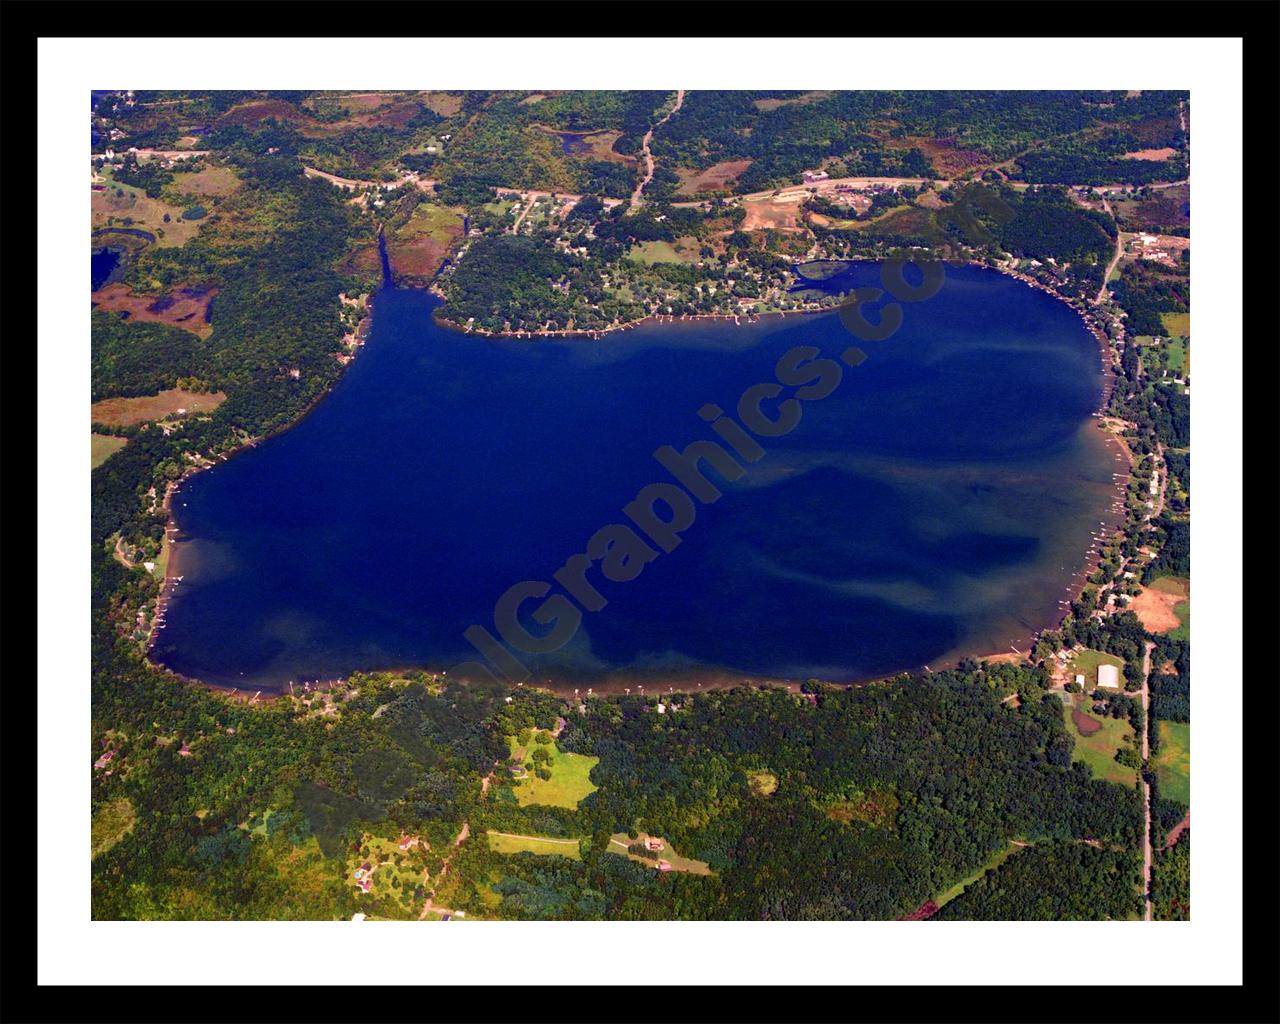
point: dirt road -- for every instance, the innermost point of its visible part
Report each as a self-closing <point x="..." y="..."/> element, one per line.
<point x="541" y="839"/>
<point x="637" y="198"/>
<point x="515" y="228"/>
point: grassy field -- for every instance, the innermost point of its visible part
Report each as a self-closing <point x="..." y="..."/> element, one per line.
<point x="103" y="446"/>
<point x="569" y="781"/>
<point x="440" y="223"/>
<point x="1086" y="663"/>
<point x="543" y="845"/>
<point x="997" y="858"/>
<point x="417" y="247"/>
<point x="619" y="841"/>
<point x="1098" y="750"/>
<point x="211" y="181"/>
<point x="1177" y="324"/>
<point x="664" y="252"/>
<point x="1173" y="763"/>
<point x="112" y="823"/>
<point x="1178" y="354"/>
<point x="124" y="412"/>
<point x="715" y="178"/>
<point x="111" y="209"/>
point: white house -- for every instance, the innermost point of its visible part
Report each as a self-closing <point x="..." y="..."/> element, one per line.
<point x="1109" y="677"/>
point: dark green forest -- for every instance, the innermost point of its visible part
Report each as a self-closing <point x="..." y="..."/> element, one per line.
<point x="1053" y="882"/>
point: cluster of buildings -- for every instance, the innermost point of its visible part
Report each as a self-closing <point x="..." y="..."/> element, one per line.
<point x="1154" y="248"/>
<point x="166" y="157"/>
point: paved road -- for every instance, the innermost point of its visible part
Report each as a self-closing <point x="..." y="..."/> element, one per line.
<point x="1102" y="292"/>
<point x="1146" y="788"/>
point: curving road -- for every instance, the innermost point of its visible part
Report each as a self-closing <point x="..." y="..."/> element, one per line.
<point x="637" y="198"/>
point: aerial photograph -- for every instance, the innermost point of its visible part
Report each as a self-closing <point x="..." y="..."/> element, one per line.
<point x="661" y="505"/>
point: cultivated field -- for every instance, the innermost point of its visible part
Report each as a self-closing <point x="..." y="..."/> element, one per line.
<point x="124" y="412"/>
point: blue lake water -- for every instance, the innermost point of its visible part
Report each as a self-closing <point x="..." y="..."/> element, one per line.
<point x="102" y="263"/>
<point x="936" y="503"/>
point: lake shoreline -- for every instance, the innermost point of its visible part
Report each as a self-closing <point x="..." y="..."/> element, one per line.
<point x="741" y="319"/>
<point x="624" y="682"/>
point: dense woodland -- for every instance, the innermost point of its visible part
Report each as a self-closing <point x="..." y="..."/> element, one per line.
<point x="1053" y="882"/>
<point x="868" y="820"/>
<point x="853" y="133"/>
<point x="1171" y="881"/>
